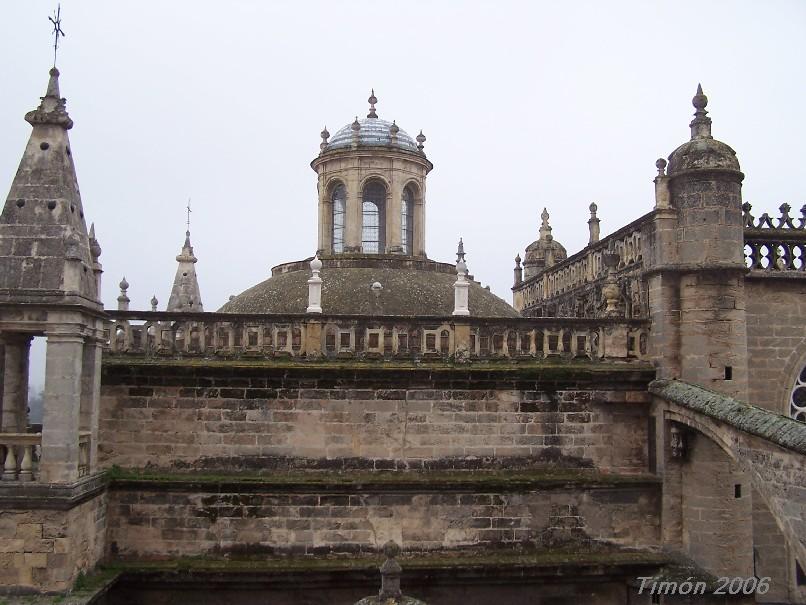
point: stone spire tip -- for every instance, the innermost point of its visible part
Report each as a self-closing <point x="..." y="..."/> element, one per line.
<point x="372" y="101"/>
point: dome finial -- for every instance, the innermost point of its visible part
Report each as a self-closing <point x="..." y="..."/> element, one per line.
<point x="460" y="251"/>
<point x="701" y="124"/>
<point x="420" y="140"/>
<point x="545" y="228"/>
<point x="325" y="135"/>
<point x="372" y="100"/>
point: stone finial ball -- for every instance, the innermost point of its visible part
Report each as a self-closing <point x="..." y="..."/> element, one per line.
<point x="124" y="285"/>
<point x="593" y="207"/>
<point x="700" y="101"/>
<point x="660" y="164"/>
<point x="316" y="264"/>
<point x="391" y="549"/>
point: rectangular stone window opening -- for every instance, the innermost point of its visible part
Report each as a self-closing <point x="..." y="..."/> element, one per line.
<point x="296" y="339"/>
<point x="526" y="343"/>
<point x="728" y="372"/>
<point x="282" y="339"/>
<point x="430" y="343"/>
<point x="402" y="341"/>
<point x="737" y="490"/>
<point x="223" y="338"/>
<point x="237" y="336"/>
<point x="387" y="341"/>
<point x="373" y="340"/>
<point x="554" y="341"/>
<point x="344" y="341"/>
<point x="252" y="338"/>
<point x="330" y="341"/>
<point x="484" y="345"/>
<point x="498" y="343"/>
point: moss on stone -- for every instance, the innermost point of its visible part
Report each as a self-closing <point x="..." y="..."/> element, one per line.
<point x="785" y="432"/>
<point x="510" y="480"/>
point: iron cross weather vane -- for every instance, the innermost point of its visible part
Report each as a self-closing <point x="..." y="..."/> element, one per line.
<point x="56" y="20"/>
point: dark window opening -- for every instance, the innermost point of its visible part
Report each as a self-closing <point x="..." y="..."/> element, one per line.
<point x="407" y="221"/>
<point x="338" y="200"/>
<point x="737" y="490"/>
<point x="373" y="212"/>
<point x="728" y="373"/>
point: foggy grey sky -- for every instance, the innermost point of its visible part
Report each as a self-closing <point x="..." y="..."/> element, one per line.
<point x="525" y="105"/>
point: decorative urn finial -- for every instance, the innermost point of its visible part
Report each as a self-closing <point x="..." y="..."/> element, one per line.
<point x="372" y="100"/>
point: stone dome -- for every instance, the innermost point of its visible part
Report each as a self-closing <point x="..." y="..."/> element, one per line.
<point x="702" y="152"/>
<point x="409" y="287"/>
<point x="374" y="132"/>
<point x="544" y="251"/>
<point x="537" y="251"/>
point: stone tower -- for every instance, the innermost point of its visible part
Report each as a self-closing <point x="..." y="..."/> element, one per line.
<point x="50" y="270"/>
<point x="185" y="294"/>
<point x="49" y="286"/>
<point x="371" y="189"/>
<point x="701" y="241"/>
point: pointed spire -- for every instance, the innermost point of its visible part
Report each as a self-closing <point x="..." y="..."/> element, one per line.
<point x="701" y="124"/>
<point x="44" y="204"/>
<point x="460" y="251"/>
<point x="372" y="100"/>
<point x="185" y="294"/>
<point x="53" y="108"/>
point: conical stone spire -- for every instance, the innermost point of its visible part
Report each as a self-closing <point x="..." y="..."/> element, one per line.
<point x="45" y="250"/>
<point x="185" y="295"/>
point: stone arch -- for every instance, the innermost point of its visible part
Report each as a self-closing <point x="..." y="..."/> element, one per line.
<point x="791" y="369"/>
<point x="729" y="441"/>
<point x="376" y="176"/>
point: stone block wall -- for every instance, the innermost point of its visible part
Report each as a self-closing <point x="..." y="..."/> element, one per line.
<point x="717" y="519"/>
<point x="776" y="339"/>
<point x="148" y="521"/>
<point x="44" y="550"/>
<point x="245" y="418"/>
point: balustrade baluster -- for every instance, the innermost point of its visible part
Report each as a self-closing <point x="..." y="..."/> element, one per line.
<point x="10" y="464"/>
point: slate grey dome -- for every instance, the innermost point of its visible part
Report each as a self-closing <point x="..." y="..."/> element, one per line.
<point x="374" y="132"/>
<point x="409" y="287"/>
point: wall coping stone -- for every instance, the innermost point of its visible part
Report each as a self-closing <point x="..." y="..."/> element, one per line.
<point x="776" y="428"/>
<point x="487" y="481"/>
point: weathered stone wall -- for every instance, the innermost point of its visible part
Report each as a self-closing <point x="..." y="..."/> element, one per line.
<point x="717" y="525"/>
<point x="44" y="550"/>
<point x="776" y="339"/>
<point x="769" y="553"/>
<point x="156" y="520"/>
<point x="250" y="417"/>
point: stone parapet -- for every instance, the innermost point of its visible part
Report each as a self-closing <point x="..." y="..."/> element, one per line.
<point x="228" y="335"/>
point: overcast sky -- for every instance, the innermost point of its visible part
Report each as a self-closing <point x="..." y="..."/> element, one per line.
<point x="525" y="105"/>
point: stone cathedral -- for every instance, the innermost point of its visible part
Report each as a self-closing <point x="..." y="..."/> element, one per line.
<point x="634" y="418"/>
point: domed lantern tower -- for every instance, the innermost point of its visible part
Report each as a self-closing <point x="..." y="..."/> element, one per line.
<point x="371" y="189"/>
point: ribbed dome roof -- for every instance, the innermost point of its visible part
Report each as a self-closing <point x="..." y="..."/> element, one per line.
<point x="374" y="132"/>
<point x="409" y="287"/>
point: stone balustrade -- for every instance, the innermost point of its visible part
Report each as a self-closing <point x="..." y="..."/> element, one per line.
<point x="588" y="266"/>
<point x="229" y="335"/>
<point x="19" y="453"/>
<point x="775" y="245"/>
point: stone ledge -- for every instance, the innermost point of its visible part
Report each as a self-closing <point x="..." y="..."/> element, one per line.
<point x="780" y="430"/>
<point x="497" y="481"/>
<point x="464" y="564"/>
<point x="51" y="496"/>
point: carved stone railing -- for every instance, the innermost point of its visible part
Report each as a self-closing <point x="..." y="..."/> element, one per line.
<point x="19" y="455"/>
<point x="775" y="245"/>
<point x="227" y="335"/>
<point x="571" y="287"/>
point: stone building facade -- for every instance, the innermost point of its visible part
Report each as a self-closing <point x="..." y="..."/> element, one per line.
<point x="625" y="418"/>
